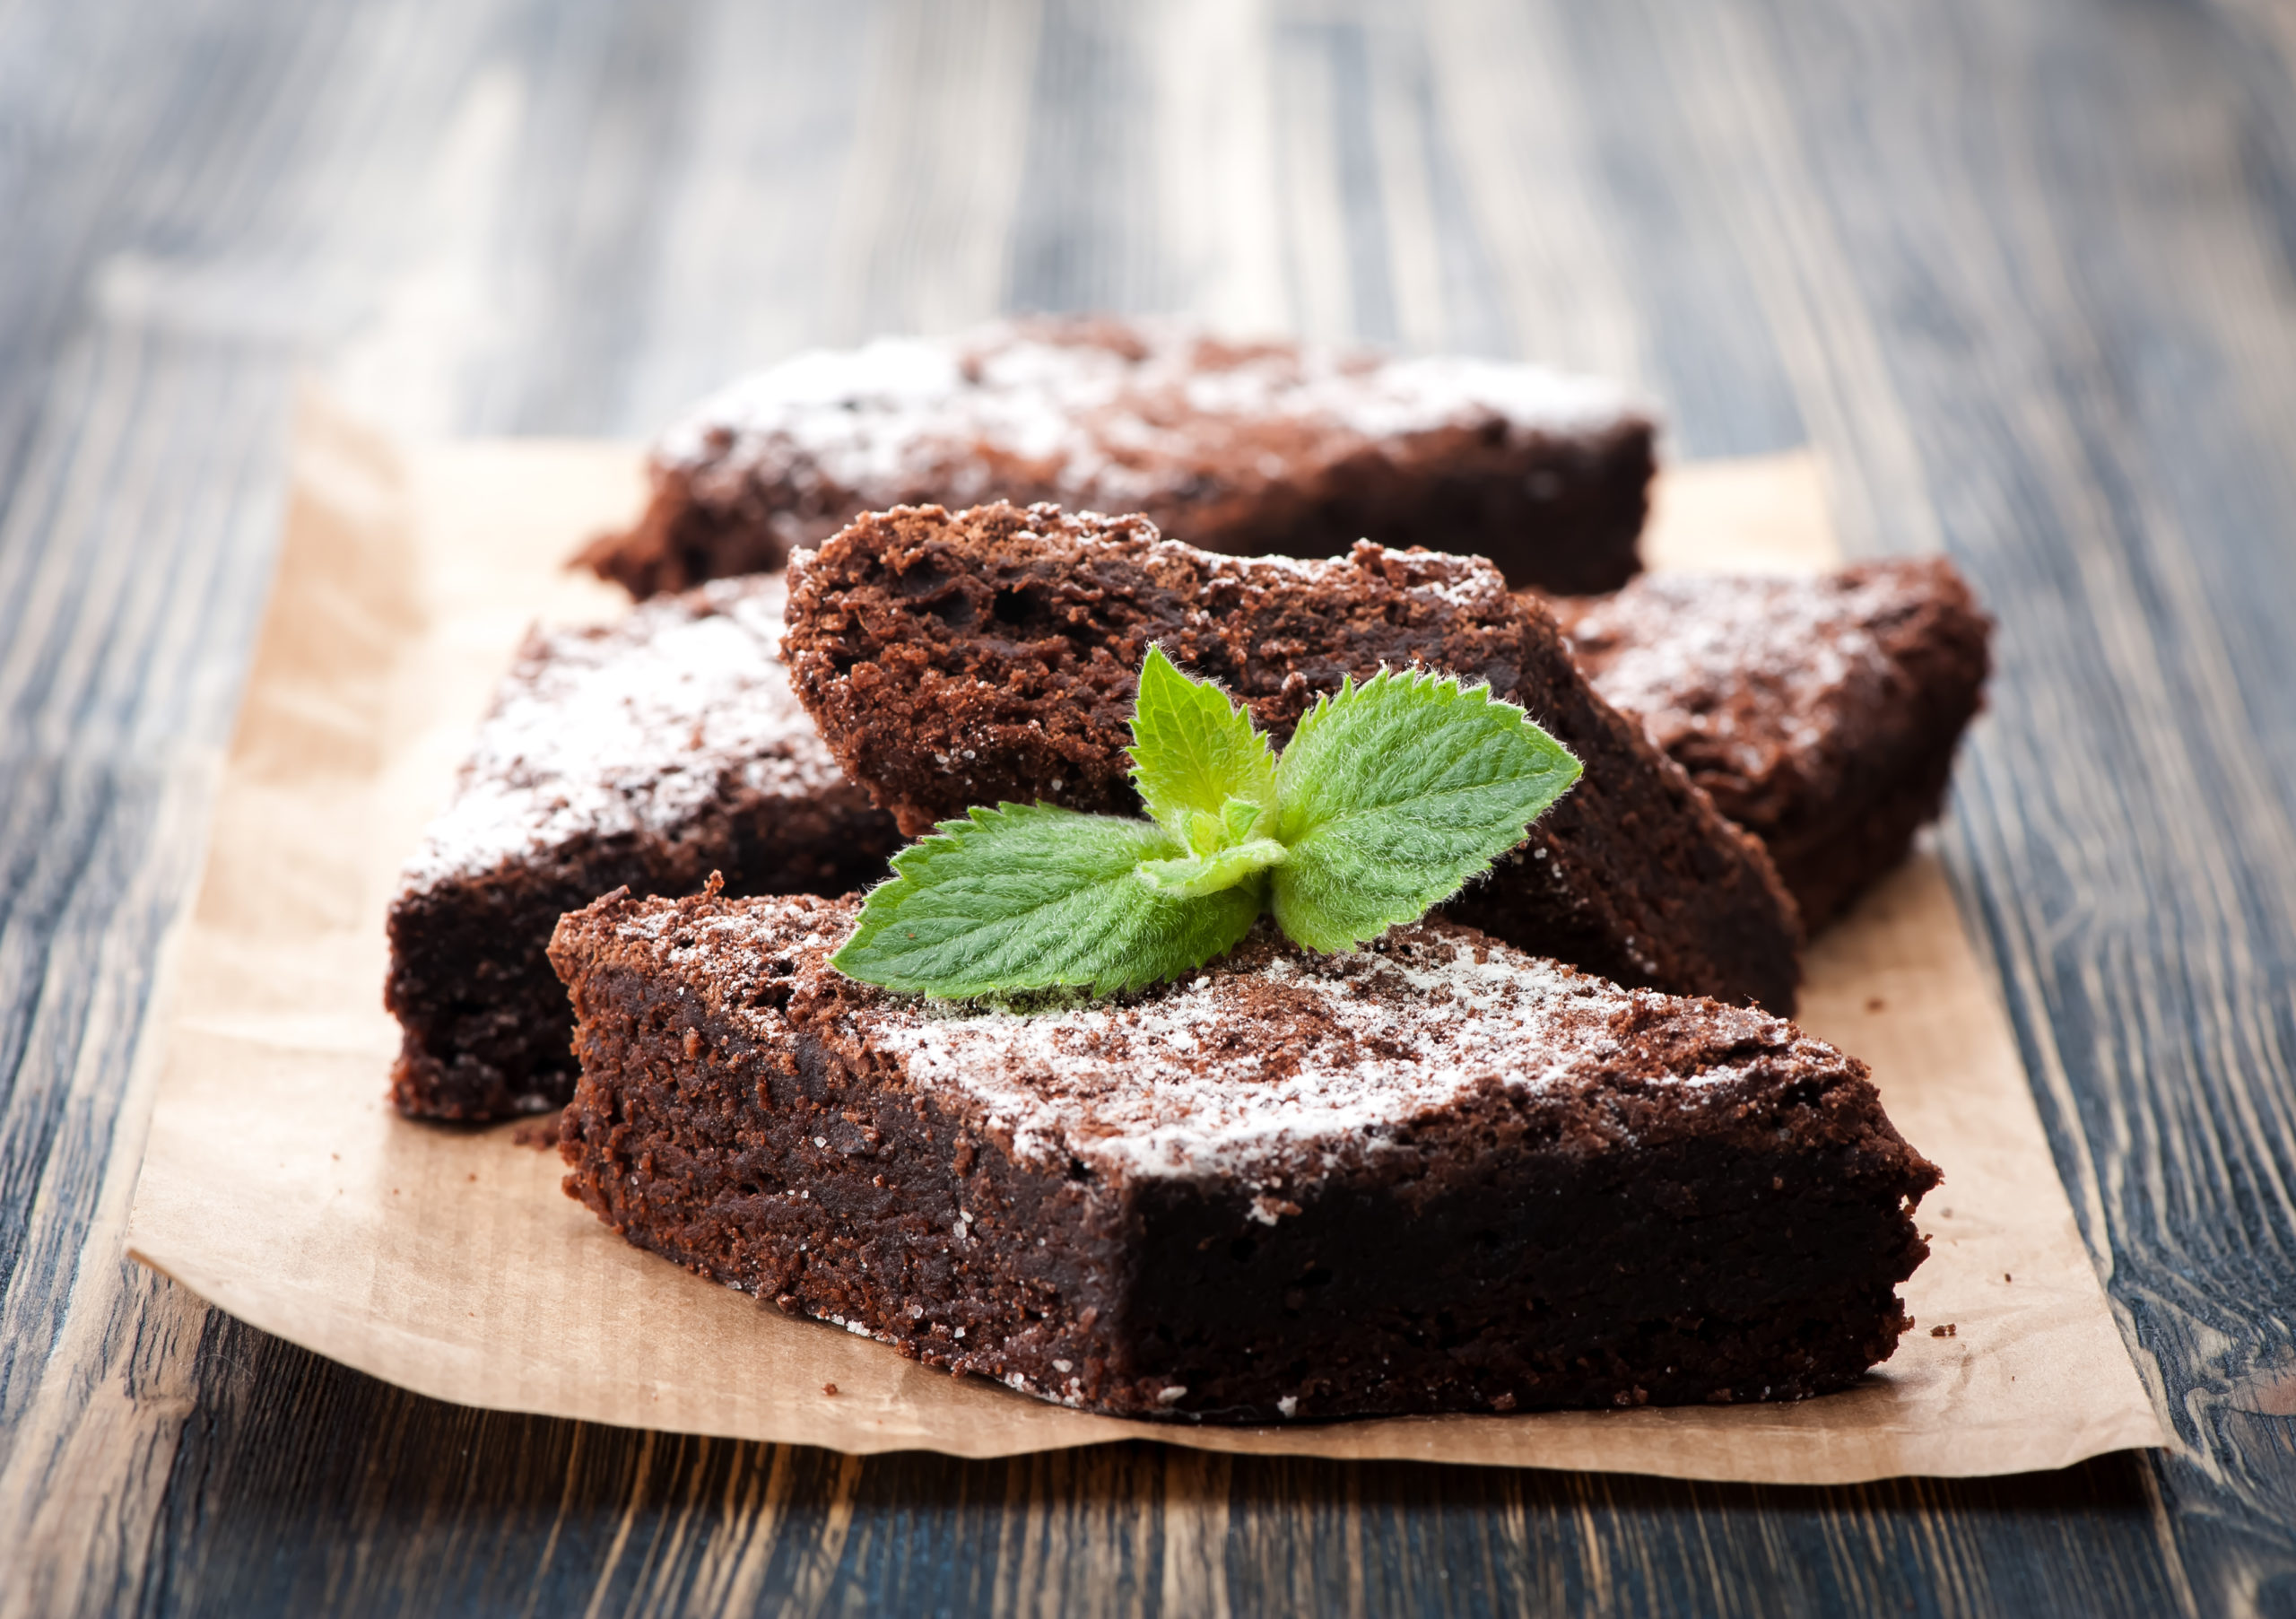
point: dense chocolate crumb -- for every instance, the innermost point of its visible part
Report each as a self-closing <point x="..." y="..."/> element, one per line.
<point x="1435" y="1175"/>
<point x="540" y="1132"/>
<point x="1821" y="715"/>
<point x="958" y="660"/>
<point x="1238" y="448"/>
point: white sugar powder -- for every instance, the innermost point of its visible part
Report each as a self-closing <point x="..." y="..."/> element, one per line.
<point x="1261" y="1075"/>
<point x="1802" y="648"/>
<point x="904" y="415"/>
<point x="630" y="728"/>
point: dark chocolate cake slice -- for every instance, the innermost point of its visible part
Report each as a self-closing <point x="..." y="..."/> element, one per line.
<point x="1819" y="714"/>
<point x="647" y="752"/>
<point x="1238" y="448"/>
<point x="1434" y="1175"/>
<point x="960" y="660"/>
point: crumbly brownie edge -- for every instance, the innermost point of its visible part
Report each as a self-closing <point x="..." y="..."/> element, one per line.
<point x="953" y="659"/>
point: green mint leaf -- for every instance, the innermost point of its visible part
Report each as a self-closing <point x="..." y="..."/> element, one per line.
<point x="1194" y="751"/>
<point x="1031" y="897"/>
<point x="1394" y="794"/>
<point x="1199" y="875"/>
<point x="1391" y="797"/>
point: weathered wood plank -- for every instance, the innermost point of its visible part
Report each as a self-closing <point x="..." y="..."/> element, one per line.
<point x="2024" y="270"/>
<point x="450" y="1510"/>
<point x="2146" y="928"/>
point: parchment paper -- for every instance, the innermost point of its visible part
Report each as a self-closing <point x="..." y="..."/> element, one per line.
<point x="280" y="1186"/>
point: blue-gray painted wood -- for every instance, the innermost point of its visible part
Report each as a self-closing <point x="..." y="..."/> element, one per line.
<point x="2024" y="271"/>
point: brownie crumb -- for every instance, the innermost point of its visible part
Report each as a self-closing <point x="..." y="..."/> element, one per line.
<point x="1822" y="714"/>
<point x="540" y="1134"/>
<point x="1242" y="447"/>
<point x="960" y="660"/>
<point x="1441" y="1175"/>
<point x="643" y="753"/>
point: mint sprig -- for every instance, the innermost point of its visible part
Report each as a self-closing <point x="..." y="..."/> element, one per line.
<point x="1392" y="795"/>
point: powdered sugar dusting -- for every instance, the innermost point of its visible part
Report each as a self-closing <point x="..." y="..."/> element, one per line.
<point x="1704" y="653"/>
<point x="633" y="726"/>
<point x="1102" y="417"/>
<point x="1272" y="1066"/>
<point x="1337" y="1060"/>
<point x="1415" y="396"/>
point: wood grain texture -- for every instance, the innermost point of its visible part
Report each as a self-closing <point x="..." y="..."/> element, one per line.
<point x="2024" y="271"/>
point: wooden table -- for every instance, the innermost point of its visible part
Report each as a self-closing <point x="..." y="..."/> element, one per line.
<point x="2024" y="271"/>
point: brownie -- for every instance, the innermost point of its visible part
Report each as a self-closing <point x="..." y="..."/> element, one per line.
<point x="1238" y="448"/>
<point x="646" y="753"/>
<point x="1434" y="1175"/>
<point x="958" y="660"/>
<point x="1819" y="714"/>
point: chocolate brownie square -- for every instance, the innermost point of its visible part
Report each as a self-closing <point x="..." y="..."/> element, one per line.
<point x="647" y="753"/>
<point x="1237" y="447"/>
<point x="1819" y="714"/>
<point x="1434" y="1175"/>
<point x="953" y="660"/>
